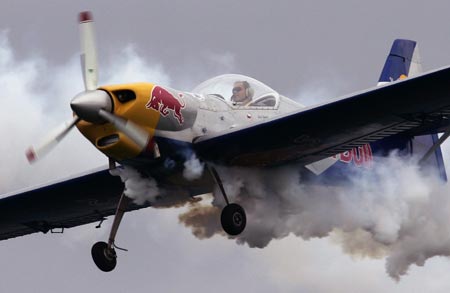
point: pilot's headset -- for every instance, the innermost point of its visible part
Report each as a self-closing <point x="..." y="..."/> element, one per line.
<point x="249" y="91"/>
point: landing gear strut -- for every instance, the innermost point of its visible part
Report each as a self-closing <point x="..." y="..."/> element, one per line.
<point x="435" y="146"/>
<point x="104" y="254"/>
<point x="233" y="218"/>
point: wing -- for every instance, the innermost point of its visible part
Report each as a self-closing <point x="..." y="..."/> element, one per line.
<point x="76" y="201"/>
<point x="414" y="106"/>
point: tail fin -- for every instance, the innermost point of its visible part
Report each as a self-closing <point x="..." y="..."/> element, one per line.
<point x="404" y="61"/>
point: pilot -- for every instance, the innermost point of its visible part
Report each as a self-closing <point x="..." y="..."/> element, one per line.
<point x="242" y="93"/>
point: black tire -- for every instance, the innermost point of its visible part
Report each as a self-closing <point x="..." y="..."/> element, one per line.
<point x="233" y="219"/>
<point x="105" y="260"/>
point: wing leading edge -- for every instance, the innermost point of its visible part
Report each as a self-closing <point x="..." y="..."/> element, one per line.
<point x="418" y="105"/>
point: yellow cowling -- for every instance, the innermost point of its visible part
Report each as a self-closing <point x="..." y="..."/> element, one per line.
<point x="119" y="146"/>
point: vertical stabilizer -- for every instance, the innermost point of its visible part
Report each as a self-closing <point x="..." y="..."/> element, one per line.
<point x="404" y="61"/>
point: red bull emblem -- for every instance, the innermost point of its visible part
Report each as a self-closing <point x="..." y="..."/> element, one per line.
<point x="360" y="156"/>
<point x="163" y="101"/>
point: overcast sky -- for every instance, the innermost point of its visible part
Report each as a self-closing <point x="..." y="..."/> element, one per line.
<point x="307" y="50"/>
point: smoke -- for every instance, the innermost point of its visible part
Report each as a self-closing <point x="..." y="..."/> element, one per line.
<point x="199" y="219"/>
<point x="129" y="66"/>
<point x="141" y="190"/>
<point x="193" y="168"/>
<point x="37" y="95"/>
<point x="145" y="190"/>
<point x="393" y="210"/>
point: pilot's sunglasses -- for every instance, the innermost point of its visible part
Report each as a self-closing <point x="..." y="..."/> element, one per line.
<point x="237" y="89"/>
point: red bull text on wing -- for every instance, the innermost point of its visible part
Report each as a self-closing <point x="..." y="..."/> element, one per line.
<point x="360" y="156"/>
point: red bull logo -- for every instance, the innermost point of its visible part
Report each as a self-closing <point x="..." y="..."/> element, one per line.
<point x="163" y="101"/>
<point x="360" y="156"/>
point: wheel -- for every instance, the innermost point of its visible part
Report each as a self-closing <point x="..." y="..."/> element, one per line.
<point x="233" y="219"/>
<point x="104" y="258"/>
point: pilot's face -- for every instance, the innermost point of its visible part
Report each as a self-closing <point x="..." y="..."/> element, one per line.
<point x="239" y="92"/>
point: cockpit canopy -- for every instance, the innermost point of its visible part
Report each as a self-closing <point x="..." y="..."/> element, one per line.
<point x="222" y="86"/>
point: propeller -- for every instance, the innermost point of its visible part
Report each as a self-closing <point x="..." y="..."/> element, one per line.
<point x="92" y="105"/>
<point x="130" y="129"/>
<point x="88" y="57"/>
<point x="35" y="152"/>
<point x="90" y="77"/>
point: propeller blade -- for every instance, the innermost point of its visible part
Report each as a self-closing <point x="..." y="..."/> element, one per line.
<point x="36" y="152"/>
<point x="87" y="102"/>
<point x="140" y="136"/>
<point x="88" y="56"/>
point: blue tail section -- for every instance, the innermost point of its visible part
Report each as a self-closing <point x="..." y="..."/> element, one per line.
<point x="404" y="61"/>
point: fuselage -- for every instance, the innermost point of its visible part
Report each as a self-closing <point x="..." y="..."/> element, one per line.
<point x="168" y="114"/>
<point x="175" y="119"/>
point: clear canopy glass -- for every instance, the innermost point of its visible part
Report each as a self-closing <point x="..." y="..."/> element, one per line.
<point x="222" y="85"/>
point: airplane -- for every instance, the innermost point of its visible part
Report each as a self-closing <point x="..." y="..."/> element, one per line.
<point x="228" y="120"/>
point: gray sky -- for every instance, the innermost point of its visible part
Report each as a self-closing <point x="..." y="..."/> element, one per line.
<point x="307" y="50"/>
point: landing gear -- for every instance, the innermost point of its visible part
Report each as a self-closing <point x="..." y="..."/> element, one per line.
<point x="105" y="258"/>
<point x="233" y="218"/>
<point x="104" y="254"/>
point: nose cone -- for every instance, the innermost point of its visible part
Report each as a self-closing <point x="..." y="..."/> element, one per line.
<point x="88" y="104"/>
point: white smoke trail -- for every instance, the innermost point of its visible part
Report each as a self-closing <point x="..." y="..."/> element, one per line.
<point x="392" y="210"/>
<point x="403" y="215"/>
<point x="193" y="168"/>
<point x="141" y="190"/>
<point x="144" y="189"/>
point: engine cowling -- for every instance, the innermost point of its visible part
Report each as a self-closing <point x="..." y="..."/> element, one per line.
<point x="149" y="106"/>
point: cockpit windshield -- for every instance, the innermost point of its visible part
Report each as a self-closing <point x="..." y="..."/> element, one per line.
<point x="239" y="90"/>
